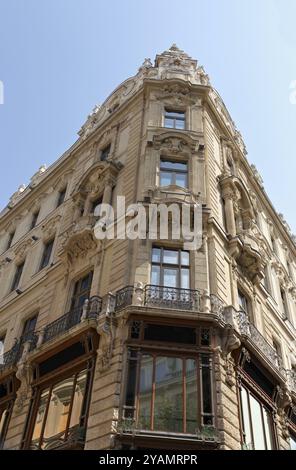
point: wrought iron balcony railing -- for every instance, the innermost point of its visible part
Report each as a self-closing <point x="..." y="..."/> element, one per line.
<point x="11" y="357"/>
<point x="291" y="377"/>
<point x="91" y="309"/>
<point x="124" y="297"/>
<point x="172" y="297"/>
<point x="250" y="331"/>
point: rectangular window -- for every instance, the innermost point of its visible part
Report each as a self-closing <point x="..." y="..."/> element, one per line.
<point x="256" y="422"/>
<point x="61" y="197"/>
<point x="170" y="268"/>
<point x="17" y="276"/>
<point x="29" y="326"/>
<point x="34" y="219"/>
<point x="174" y="119"/>
<point x="165" y="393"/>
<point x="105" y="153"/>
<point x="81" y="291"/>
<point x="285" y="303"/>
<point x="243" y="302"/>
<point x="47" y="250"/>
<point x="60" y="408"/>
<point x="10" y="239"/>
<point x="173" y="173"/>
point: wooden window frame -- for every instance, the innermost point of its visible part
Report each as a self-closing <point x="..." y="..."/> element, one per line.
<point x="85" y="362"/>
<point x="179" y="266"/>
<point x="183" y="355"/>
<point x="265" y="402"/>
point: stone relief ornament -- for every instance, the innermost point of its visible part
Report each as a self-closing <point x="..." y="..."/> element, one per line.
<point x="36" y="178"/>
<point x="16" y="196"/>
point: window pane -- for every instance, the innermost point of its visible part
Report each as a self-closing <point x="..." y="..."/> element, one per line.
<point x="191" y="396"/>
<point x="170" y="256"/>
<point x="184" y="258"/>
<point x="266" y="419"/>
<point x="168" y="408"/>
<point x="78" y="399"/>
<point x="168" y="165"/>
<point x="185" y="281"/>
<point x="293" y="443"/>
<point x="246" y="419"/>
<point x="179" y="124"/>
<point x="40" y="416"/>
<point x="58" y="410"/>
<point x="206" y="391"/>
<point x="170" y="277"/>
<point x="145" y="392"/>
<point x="169" y="123"/>
<point x="181" y="180"/>
<point x="257" y="424"/>
<point x="155" y="275"/>
<point x="156" y="255"/>
<point x="175" y="114"/>
<point x="166" y="179"/>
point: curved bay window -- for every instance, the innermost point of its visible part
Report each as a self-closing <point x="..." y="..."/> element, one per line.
<point x="169" y="391"/>
<point x="59" y="407"/>
<point x="60" y="410"/>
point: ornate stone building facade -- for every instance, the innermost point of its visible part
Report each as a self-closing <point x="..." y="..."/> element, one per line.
<point x="117" y="344"/>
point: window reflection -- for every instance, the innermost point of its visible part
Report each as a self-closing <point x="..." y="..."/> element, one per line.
<point x="256" y="422"/>
<point x="59" y="410"/>
<point x="168" y="393"/>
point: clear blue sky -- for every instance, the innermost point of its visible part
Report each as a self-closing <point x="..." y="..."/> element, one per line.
<point x="58" y="58"/>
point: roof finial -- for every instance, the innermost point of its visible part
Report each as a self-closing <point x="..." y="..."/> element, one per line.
<point x="174" y="47"/>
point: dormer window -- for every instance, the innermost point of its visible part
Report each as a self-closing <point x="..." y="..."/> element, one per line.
<point x="173" y="173"/>
<point x="174" y="119"/>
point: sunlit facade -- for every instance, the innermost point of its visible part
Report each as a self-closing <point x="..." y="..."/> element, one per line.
<point x="144" y="344"/>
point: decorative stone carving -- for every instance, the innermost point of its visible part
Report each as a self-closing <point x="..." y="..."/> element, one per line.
<point x="49" y="228"/>
<point x="37" y="177"/>
<point x="105" y="353"/>
<point x="257" y="176"/>
<point x="24" y="375"/>
<point x="21" y="250"/>
<point x="78" y="244"/>
<point x="16" y="196"/>
<point x="174" y="143"/>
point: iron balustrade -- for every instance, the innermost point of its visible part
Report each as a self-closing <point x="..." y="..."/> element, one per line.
<point x="291" y="376"/>
<point x="11" y="357"/>
<point x="249" y="330"/>
<point x="91" y="309"/>
<point x="172" y="297"/>
<point x="124" y="297"/>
